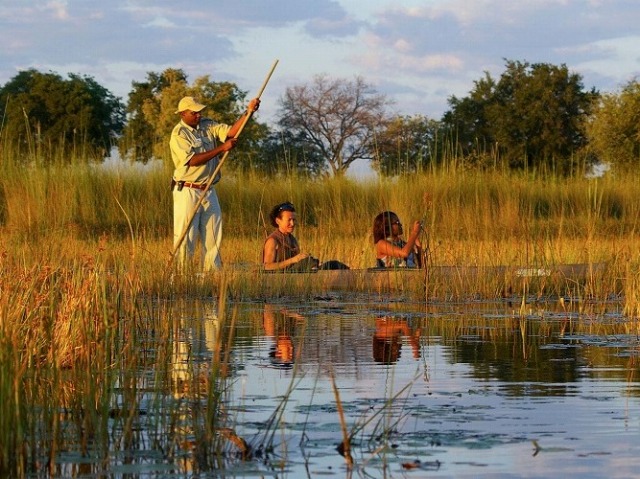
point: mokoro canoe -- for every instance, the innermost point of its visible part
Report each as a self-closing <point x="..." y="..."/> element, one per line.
<point x="499" y="280"/>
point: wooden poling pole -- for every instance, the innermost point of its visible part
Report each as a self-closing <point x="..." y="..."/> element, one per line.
<point x="246" y="118"/>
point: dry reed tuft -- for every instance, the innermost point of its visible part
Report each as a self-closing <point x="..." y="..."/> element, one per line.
<point x="74" y="336"/>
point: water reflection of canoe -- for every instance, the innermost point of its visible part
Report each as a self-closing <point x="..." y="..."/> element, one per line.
<point x="467" y="278"/>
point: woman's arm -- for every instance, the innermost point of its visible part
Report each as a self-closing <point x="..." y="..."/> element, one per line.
<point x="269" y="254"/>
<point x="386" y="248"/>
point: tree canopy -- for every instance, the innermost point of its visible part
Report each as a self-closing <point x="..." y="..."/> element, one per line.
<point x="139" y="136"/>
<point x="44" y="110"/>
<point x="151" y="114"/>
<point x="407" y="144"/>
<point x="614" y="129"/>
<point x="288" y="152"/>
<point x="338" y="117"/>
<point x="534" y="115"/>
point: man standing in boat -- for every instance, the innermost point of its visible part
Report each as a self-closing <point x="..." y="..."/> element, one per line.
<point x="196" y="144"/>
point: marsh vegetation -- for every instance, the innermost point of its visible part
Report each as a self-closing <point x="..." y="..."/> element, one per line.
<point x="96" y="374"/>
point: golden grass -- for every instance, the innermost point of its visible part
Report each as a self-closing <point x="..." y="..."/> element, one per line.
<point x="74" y="337"/>
<point x="85" y="202"/>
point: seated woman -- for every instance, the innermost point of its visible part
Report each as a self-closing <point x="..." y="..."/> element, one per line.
<point x="281" y="250"/>
<point x="391" y="250"/>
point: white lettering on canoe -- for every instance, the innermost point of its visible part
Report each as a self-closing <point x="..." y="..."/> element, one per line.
<point x="533" y="272"/>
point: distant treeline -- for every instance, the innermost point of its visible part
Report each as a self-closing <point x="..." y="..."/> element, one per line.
<point x="535" y="118"/>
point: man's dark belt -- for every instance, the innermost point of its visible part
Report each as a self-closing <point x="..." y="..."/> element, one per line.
<point x="182" y="184"/>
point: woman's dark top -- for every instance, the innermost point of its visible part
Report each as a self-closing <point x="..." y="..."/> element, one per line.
<point x="286" y="246"/>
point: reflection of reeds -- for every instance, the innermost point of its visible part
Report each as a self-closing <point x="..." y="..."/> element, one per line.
<point x="381" y="430"/>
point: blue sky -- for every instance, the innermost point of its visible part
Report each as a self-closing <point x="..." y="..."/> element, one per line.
<point x="418" y="53"/>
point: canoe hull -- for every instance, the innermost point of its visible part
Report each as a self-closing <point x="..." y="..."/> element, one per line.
<point x="447" y="281"/>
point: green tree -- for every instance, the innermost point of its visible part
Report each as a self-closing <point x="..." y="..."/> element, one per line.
<point x="535" y="115"/>
<point x="614" y="129"/>
<point x="46" y="114"/>
<point x="407" y="144"/>
<point x="339" y="117"/>
<point x="153" y="104"/>
<point x="466" y="123"/>
<point x="139" y="135"/>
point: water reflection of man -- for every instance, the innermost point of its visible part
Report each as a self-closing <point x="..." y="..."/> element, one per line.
<point x="197" y="373"/>
<point x="387" y="339"/>
<point x="280" y="324"/>
<point x="194" y="345"/>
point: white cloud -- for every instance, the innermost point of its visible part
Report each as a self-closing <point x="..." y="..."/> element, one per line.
<point x="617" y="59"/>
<point x="402" y="45"/>
<point x="59" y="9"/>
<point x="427" y="63"/>
<point x="161" y="22"/>
<point x="419" y="52"/>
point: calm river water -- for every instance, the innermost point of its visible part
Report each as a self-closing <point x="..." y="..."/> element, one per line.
<point x="439" y="390"/>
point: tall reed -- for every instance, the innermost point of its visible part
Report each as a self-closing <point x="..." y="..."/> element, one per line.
<point x="53" y="319"/>
<point x="75" y="337"/>
<point x="88" y="200"/>
<point x="472" y="217"/>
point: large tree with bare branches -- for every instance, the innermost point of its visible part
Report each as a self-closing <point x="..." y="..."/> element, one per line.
<point x="338" y="117"/>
